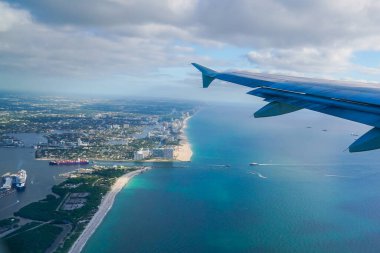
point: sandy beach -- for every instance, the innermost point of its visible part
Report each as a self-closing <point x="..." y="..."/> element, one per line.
<point x="104" y="207"/>
<point x="183" y="152"/>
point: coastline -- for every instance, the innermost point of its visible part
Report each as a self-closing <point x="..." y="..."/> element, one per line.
<point x="184" y="152"/>
<point x="103" y="209"/>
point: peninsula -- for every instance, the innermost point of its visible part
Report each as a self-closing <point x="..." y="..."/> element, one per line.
<point x="69" y="216"/>
<point x="103" y="209"/>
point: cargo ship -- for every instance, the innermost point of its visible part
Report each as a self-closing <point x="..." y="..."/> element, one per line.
<point x="69" y="162"/>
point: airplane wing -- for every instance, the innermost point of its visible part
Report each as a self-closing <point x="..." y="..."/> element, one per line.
<point x="348" y="100"/>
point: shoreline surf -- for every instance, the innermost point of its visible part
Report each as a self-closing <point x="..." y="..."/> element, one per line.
<point x="104" y="207"/>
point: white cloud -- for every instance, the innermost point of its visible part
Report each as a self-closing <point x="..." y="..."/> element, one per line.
<point x="29" y="46"/>
<point x="106" y="38"/>
<point x="10" y="17"/>
<point x="308" y="59"/>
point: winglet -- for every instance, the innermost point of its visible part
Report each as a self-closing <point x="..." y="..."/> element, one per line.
<point x="208" y="75"/>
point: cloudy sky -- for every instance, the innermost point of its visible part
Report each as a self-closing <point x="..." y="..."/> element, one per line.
<point x="137" y="47"/>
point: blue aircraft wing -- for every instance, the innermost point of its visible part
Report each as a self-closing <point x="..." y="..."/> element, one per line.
<point x="355" y="101"/>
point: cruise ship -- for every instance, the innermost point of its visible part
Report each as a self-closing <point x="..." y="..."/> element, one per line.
<point x="69" y="162"/>
<point x="14" y="181"/>
<point x="20" y="180"/>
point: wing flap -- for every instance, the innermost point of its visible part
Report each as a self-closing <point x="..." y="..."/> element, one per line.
<point x="368" y="141"/>
<point x="275" y="108"/>
<point x="311" y="99"/>
<point x="334" y="108"/>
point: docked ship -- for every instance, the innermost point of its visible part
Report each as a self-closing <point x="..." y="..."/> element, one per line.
<point x="69" y="162"/>
<point x="20" y="180"/>
<point x="14" y="181"/>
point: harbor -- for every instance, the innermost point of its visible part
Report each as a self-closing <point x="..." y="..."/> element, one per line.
<point x="40" y="178"/>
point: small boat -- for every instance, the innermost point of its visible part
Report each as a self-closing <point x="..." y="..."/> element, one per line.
<point x="254" y="164"/>
<point x="222" y="165"/>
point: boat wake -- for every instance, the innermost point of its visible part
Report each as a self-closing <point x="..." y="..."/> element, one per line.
<point x="258" y="174"/>
<point x="220" y="165"/>
<point x="333" y="175"/>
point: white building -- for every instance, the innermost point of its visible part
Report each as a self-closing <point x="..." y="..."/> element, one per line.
<point x="141" y="154"/>
<point x="81" y="143"/>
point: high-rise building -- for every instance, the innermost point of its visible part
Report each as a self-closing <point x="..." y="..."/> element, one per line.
<point x="141" y="154"/>
<point x="166" y="153"/>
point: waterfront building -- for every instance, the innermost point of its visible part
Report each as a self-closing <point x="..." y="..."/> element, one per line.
<point x="166" y="153"/>
<point x="141" y="154"/>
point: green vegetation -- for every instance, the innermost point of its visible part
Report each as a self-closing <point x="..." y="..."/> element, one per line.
<point x="8" y="222"/>
<point x="34" y="240"/>
<point x="49" y="210"/>
<point x="96" y="184"/>
<point x="27" y="226"/>
<point x="71" y="238"/>
<point x="43" y="210"/>
<point x="142" y="143"/>
<point x="106" y="152"/>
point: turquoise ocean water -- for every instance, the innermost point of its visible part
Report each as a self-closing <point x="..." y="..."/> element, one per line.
<point x="309" y="196"/>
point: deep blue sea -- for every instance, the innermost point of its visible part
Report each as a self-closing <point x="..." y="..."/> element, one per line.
<point x="310" y="195"/>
